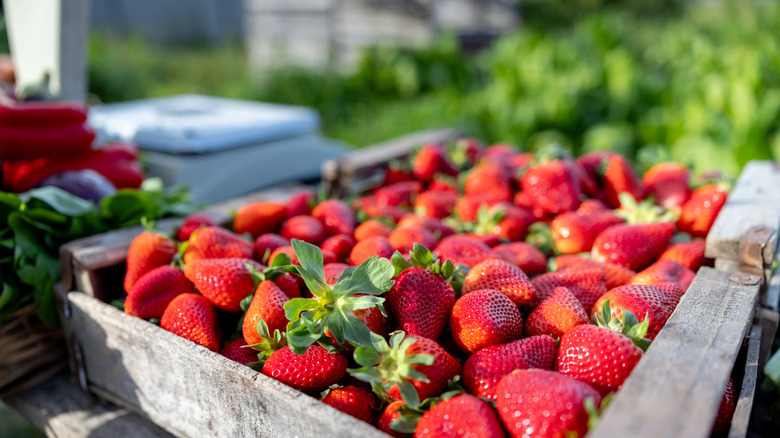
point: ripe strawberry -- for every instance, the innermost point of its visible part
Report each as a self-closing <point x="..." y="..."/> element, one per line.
<point x="400" y="194"/>
<point x="615" y="275"/>
<point x="403" y="238"/>
<point x="266" y="244"/>
<point x="556" y="315"/>
<point x="304" y="228"/>
<point x="216" y="242"/>
<point x="467" y="207"/>
<point x="484" y="317"/>
<point x="373" y="246"/>
<point x="689" y="254"/>
<point x="485" y="368"/>
<point x="236" y="350"/>
<point x="147" y="251"/>
<point x="620" y="177"/>
<point x="152" y="293"/>
<point x="488" y="181"/>
<point x="192" y="223"/>
<point x="632" y="246"/>
<point x="443" y="184"/>
<point x="725" y="410"/>
<point x="591" y="205"/>
<point x="463" y="251"/>
<point x="699" y="213"/>
<point x="642" y="300"/>
<point x="351" y="400"/>
<point x="369" y="207"/>
<point x="288" y="283"/>
<point x="488" y="239"/>
<point x="259" y="218"/>
<point x="594" y="163"/>
<point x="333" y="272"/>
<point x="371" y="228"/>
<point x="587" y="284"/>
<point x="300" y="204"/>
<point x="522" y="255"/>
<point x="504" y="221"/>
<point x="544" y="403"/>
<point x="336" y="217"/>
<point x="421" y="301"/>
<point x="288" y="251"/>
<point x="665" y="271"/>
<point x="435" y="204"/>
<point x="312" y="371"/>
<point x="430" y="161"/>
<point x="553" y="187"/>
<point x="436" y="226"/>
<point x="391" y="413"/>
<point x="268" y="305"/>
<point x="224" y="282"/>
<point x="470" y="149"/>
<point x="340" y="245"/>
<point x="192" y="317"/>
<point x="525" y="201"/>
<point x="575" y="232"/>
<point x="461" y="416"/>
<point x="668" y="183"/>
<point x="397" y="172"/>
<point x="503" y="277"/>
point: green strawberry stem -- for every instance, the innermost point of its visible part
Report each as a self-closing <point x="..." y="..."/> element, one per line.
<point x="628" y="325"/>
<point x="331" y="308"/>
<point x="644" y="212"/>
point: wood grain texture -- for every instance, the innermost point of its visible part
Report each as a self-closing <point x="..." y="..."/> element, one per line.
<point x="755" y="200"/>
<point x="188" y="390"/>
<point x="744" y="400"/>
<point x="676" y="388"/>
<point x="59" y="409"/>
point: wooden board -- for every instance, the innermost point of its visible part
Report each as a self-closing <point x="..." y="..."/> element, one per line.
<point x="187" y="389"/>
<point x="676" y="388"/>
<point x="755" y="201"/>
<point x="741" y="418"/>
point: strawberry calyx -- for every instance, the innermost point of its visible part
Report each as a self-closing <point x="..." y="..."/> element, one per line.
<point x="271" y="343"/>
<point x="627" y="325"/>
<point x="331" y="307"/>
<point x="540" y="236"/>
<point x="422" y="257"/>
<point x="271" y="272"/>
<point x="488" y="219"/>
<point x="550" y="152"/>
<point x="385" y="365"/>
<point x="643" y="212"/>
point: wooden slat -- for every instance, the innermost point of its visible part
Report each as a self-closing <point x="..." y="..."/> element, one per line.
<point x="755" y="201"/>
<point x="58" y="408"/>
<point x="187" y="389"/>
<point x="741" y="418"/>
<point x="676" y="388"/>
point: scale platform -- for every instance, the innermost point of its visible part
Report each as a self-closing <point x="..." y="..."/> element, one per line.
<point x="220" y="148"/>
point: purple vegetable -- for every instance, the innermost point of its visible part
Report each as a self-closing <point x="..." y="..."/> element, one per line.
<point x="86" y="184"/>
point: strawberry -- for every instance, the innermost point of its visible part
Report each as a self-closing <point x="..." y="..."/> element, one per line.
<point x="435" y="204"/>
<point x="300" y="204"/>
<point x="615" y="275"/>
<point x="575" y="232"/>
<point x="460" y="416"/>
<point x="544" y="403"/>
<point x="333" y="272"/>
<point x="370" y="209"/>
<point x="259" y="218"/>
<point x="725" y="410"/>
<point x="408" y="368"/>
<point x="340" y="245"/>
<point x="595" y="163"/>
<point x="351" y="400"/>
<point x="266" y="244"/>
<point x="397" y="172"/>
<point x="371" y="228"/>
<point x="192" y="316"/>
<point x="485" y="368"/>
<point x="504" y="221"/>
<point x="591" y="205"/>
<point x="399" y="194"/>
<point x="336" y="217"/>
<point x="556" y="315"/>
<point x="443" y="184"/>
<point x="436" y="226"/>
<point x="312" y="371"/>
<point x="525" y="201"/>
<point x="483" y="318"/>
<point x="587" y="284"/>
<point x="147" y="251"/>
<point x="668" y="183"/>
<point x="238" y="351"/>
<point x="488" y="239"/>
<point x="224" y="282"/>
<point x="632" y="246"/>
<point x="651" y="303"/>
<point x="430" y="161"/>
<point x="373" y="246"/>
<point x="488" y="181"/>
<point x="192" y="223"/>
<point x="665" y="271"/>
<point x="287" y="251"/>
<point x="522" y="255"/>
<point x="268" y="305"/>
<point x="152" y="293"/>
<point x="463" y="251"/>
<point x="467" y="151"/>
<point x="216" y="242"/>
<point x="391" y="413"/>
<point x="304" y="228"/>
<point x="288" y="283"/>
<point x="620" y="177"/>
<point x="467" y="207"/>
<point x="689" y="254"/>
<point x="553" y="187"/>
<point x="403" y="238"/>
<point x="699" y="213"/>
<point x="501" y="276"/>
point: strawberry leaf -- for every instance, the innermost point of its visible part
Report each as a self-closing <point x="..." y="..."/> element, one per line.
<point x="301" y="337"/>
<point x="367" y="356"/>
<point x="406" y="423"/>
<point x="400" y="263"/>
<point x="421" y="256"/>
<point x="311" y="268"/>
<point x="374" y="276"/>
<point x="247" y="301"/>
<point x="294" y="307"/>
<point x="356" y="331"/>
<point x="409" y="394"/>
<point x="281" y="259"/>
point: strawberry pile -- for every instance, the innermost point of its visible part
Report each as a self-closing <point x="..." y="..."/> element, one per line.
<point x="479" y="291"/>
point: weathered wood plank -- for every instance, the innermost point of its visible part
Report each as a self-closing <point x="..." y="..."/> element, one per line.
<point x="755" y="201"/>
<point x="61" y="410"/>
<point x="741" y="418"/>
<point x="187" y="389"/>
<point x="676" y="388"/>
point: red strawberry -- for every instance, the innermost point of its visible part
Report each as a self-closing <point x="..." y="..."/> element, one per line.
<point x="591" y="205"/>
<point x="544" y="403"/>
<point x="435" y="204"/>
<point x="397" y="173"/>
<point x="620" y="177"/>
<point x="147" y="251"/>
<point x="461" y="416"/>
<point x="615" y="275"/>
<point x="391" y="413"/>
<point x="402" y="193"/>
<point x="236" y="350"/>
<point x="259" y="218"/>
<point x="488" y="239"/>
<point x="522" y="255"/>
<point x="665" y="271"/>
<point x="421" y="301"/>
<point x="439" y="229"/>
<point x="470" y="149"/>
<point x="340" y="245"/>
<point x="333" y="272"/>
<point x="312" y="371"/>
<point x="594" y="163"/>
<point x="372" y="210"/>
<point x="373" y="246"/>
<point x="304" y="228"/>
<point x="632" y="246"/>
<point x="268" y="304"/>
<point x="725" y="410"/>
<point x="372" y="228"/>
<point x="287" y="250"/>
<point x="504" y="220"/>
<point x="463" y="251"/>
<point x="668" y="183"/>
<point x="336" y="216"/>
<point x="689" y="254"/>
<point x="266" y="244"/>
<point x="485" y="368"/>
<point x="699" y="213"/>
<point x="351" y="400"/>
<point x="556" y="315"/>
<point x="488" y="181"/>
<point x="430" y="161"/>
<point x="503" y="277"/>
<point x="224" y="282"/>
<point x="641" y="300"/>
<point x="483" y="318"/>
<point x="525" y="201"/>
<point x="288" y="283"/>
<point x="216" y="242"/>
<point x="587" y="284"/>
<point x="443" y="184"/>
<point x="152" y="293"/>
<point x="467" y="207"/>
<point x="300" y="204"/>
<point x="192" y="223"/>
<point x="403" y="238"/>
<point x="553" y="187"/>
<point x="575" y="232"/>
<point x="192" y="316"/>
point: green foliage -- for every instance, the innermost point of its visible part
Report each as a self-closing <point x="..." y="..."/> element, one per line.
<point x="4" y="46"/>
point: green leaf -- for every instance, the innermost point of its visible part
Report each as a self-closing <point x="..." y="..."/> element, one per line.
<point x="310" y="258"/>
<point x="399" y="262"/>
<point x="421" y="256"/>
<point x="409" y="394"/>
<point x="356" y="331"/>
<point x="405" y="424"/>
<point x="335" y="322"/>
<point x="246" y="302"/>
<point x="59" y="200"/>
<point x="367" y="356"/>
<point x="281" y="259"/>
<point x="294" y="307"/>
<point x="374" y="276"/>
<point x="361" y="302"/>
<point x="300" y="338"/>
